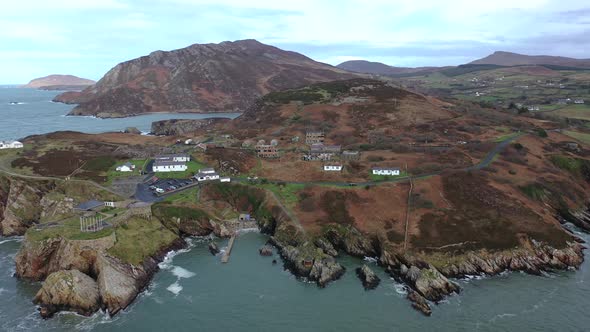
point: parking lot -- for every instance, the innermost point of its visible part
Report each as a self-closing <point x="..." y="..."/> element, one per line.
<point x="154" y="192"/>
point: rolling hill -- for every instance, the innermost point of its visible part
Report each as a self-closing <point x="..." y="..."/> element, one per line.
<point x="202" y="78"/>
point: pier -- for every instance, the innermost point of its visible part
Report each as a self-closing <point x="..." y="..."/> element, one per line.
<point x="230" y="244"/>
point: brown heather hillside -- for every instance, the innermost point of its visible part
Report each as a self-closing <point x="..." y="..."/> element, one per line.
<point x="224" y="77"/>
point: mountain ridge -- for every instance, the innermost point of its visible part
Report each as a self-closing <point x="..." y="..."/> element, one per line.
<point x="200" y="78"/>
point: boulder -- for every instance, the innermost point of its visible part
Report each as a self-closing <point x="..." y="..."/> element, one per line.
<point x="213" y="248"/>
<point x="265" y="251"/>
<point x="132" y="130"/>
<point x="326" y="270"/>
<point x="419" y="302"/>
<point x="369" y="279"/>
<point x="118" y="283"/>
<point x="69" y="290"/>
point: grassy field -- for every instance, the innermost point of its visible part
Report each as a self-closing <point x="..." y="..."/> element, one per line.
<point x="582" y="137"/>
<point x="70" y="229"/>
<point x="581" y="112"/>
<point x="193" y="167"/>
<point x="286" y="193"/>
<point x="113" y="173"/>
<point x="185" y="196"/>
<point x="139" y="238"/>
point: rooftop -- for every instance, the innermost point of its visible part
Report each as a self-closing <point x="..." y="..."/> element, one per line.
<point x="171" y="156"/>
<point x="89" y="205"/>
<point x="385" y="168"/>
<point x="168" y="163"/>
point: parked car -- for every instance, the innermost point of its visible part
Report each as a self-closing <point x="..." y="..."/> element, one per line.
<point x="152" y="187"/>
<point x="159" y="190"/>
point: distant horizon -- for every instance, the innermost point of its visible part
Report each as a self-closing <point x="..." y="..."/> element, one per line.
<point x="333" y="64"/>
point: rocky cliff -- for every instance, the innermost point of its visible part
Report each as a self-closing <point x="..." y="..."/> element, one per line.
<point x="201" y="78"/>
<point x="81" y="275"/>
<point x="182" y="127"/>
<point x="25" y="202"/>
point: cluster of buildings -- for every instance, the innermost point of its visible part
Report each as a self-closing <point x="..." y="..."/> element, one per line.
<point x="171" y="163"/>
<point x="206" y="174"/>
<point x="11" y="145"/>
<point x="566" y="101"/>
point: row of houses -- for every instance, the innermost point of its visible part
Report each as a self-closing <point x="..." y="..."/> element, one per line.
<point x="11" y="145"/>
<point x="565" y="101"/>
<point x="387" y="171"/>
<point x="171" y="163"/>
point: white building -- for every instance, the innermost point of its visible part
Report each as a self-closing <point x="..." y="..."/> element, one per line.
<point x="332" y="168"/>
<point x="127" y="167"/>
<point x="390" y="171"/>
<point x="207" y="171"/>
<point x="11" y="145"/>
<point x="579" y="101"/>
<point x="173" y="157"/>
<point x="225" y="179"/>
<point x="206" y="176"/>
<point x="169" y="166"/>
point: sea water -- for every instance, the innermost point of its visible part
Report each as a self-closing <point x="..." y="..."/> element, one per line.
<point x="25" y="112"/>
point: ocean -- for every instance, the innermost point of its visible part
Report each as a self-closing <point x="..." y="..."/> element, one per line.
<point x="25" y="112"/>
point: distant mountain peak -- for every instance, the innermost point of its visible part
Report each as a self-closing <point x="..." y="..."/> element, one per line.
<point x="504" y="58"/>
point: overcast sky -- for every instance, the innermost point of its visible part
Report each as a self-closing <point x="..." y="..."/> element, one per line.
<point x="88" y="37"/>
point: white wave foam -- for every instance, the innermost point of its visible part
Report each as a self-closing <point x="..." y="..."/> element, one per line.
<point x="370" y="259"/>
<point x="182" y="273"/>
<point x="400" y="289"/>
<point x="12" y="239"/>
<point x="175" y="288"/>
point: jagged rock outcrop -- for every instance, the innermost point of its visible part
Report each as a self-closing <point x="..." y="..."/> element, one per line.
<point x="419" y="302"/>
<point x="308" y="261"/>
<point x="132" y="130"/>
<point x="69" y="290"/>
<point x="534" y="259"/>
<point x="118" y="282"/>
<point x="213" y="248"/>
<point x="38" y="259"/>
<point x="369" y="279"/>
<point x="351" y="241"/>
<point x="265" y="251"/>
<point x="326" y="246"/>
<point x="206" y="78"/>
<point x="20" y="204"/>
<point x="182" y="127"/>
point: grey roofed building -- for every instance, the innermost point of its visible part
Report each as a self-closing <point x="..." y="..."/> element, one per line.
<point x="89" y="205"/>
<point x="168" y="163"/>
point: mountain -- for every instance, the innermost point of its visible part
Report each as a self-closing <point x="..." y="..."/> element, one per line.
<point x="514" y="59"/>
<point x="59" y="82"/>
<point x="224" y="77"/>
<point x="378" y="68"/>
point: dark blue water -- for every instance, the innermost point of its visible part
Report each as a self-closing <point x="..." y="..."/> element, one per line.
<point x="194" y="291"/>
<point x="35" y="113"/>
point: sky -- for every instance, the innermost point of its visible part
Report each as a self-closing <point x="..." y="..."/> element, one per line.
<point x="88" y="37"/>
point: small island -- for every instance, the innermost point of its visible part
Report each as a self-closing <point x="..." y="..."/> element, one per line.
<point x="59" y="82"/>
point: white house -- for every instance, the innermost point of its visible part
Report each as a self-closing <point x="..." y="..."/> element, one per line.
<point x="174" y="157"/>
<point x="169" y="166"/>
<point x="579" y="101"/>
<point x="225" y="179"/>
<point x="207" y="171"/>
<point x="206" y="176"/>
<point x="391" y="171"/>
<point x="332" y="168"/>
<point x="127" y="167"/>
<point x="11" y="145"/>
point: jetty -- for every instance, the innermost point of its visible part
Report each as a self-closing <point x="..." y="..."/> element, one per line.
<point x="230" y="244"/>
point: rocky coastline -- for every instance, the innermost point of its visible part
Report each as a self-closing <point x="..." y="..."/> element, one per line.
<point x="81" y="276"/>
